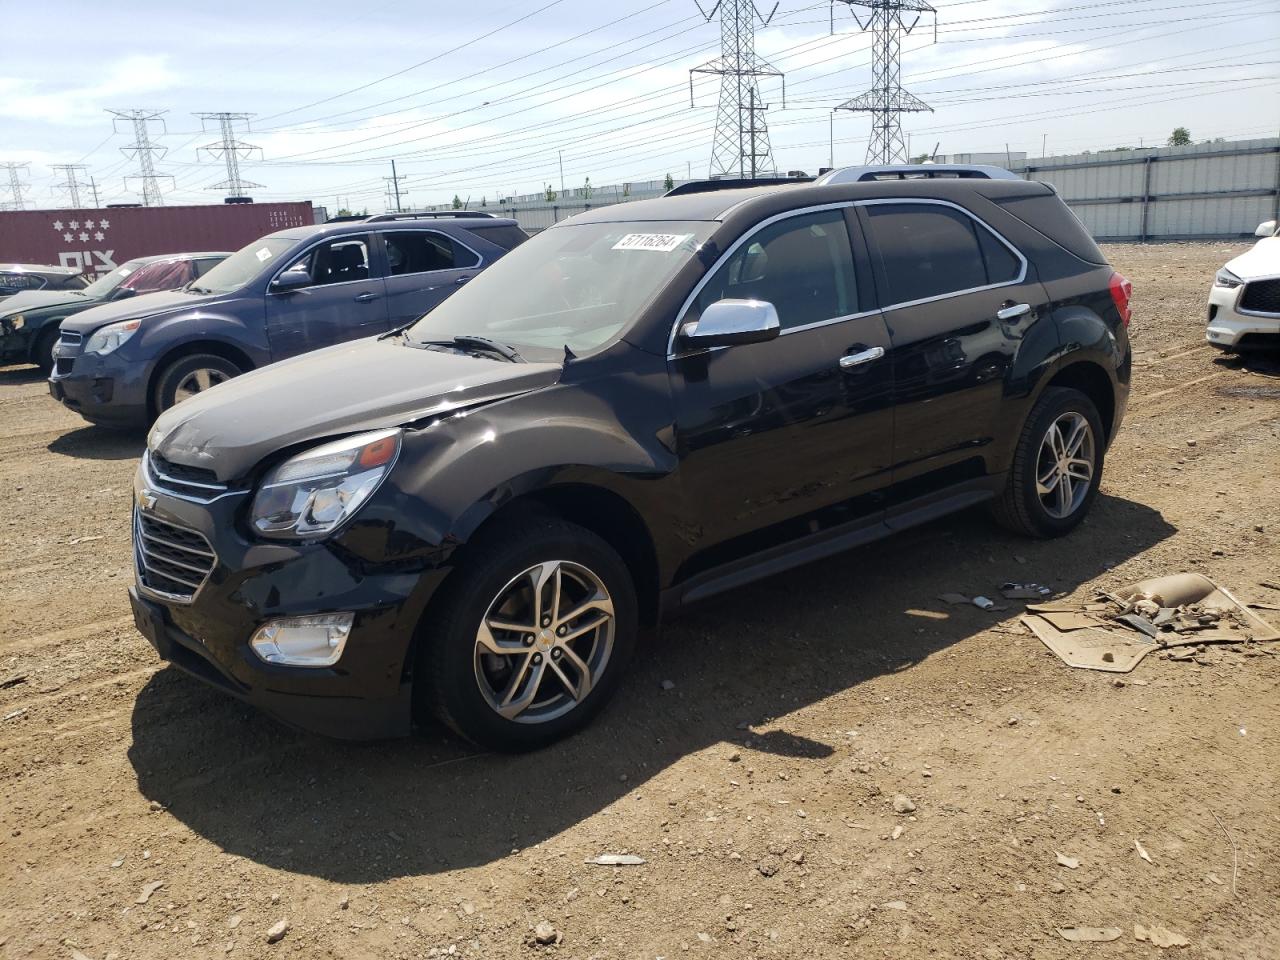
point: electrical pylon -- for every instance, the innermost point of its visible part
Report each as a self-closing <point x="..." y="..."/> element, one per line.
<point x="741" y="145"/>
<point x="886" y="101"/>
<point x="73" y="182"/>
<point x="16" y="200"/>
<point x="231" y="151"/>
<point x="145" y="151"/>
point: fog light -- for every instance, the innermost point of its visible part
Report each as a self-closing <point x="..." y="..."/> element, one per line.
<point x="303" y="641"/>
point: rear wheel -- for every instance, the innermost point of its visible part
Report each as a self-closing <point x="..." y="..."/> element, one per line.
<point x="1056" y="468"/>
<point x="532" y="638"/>
<point x="190" y="375"/>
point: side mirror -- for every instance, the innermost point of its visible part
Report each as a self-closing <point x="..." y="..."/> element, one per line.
<point x="729" y="322"/>
<point x="1267" y="229"/>
<point x="290" y="281"/>
<point x="123" y="293"/>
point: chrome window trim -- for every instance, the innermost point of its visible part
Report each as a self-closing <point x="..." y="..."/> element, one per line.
<point x="838" y="205"/>
<point x="307" y="249"/>
<point x="479" y="264"/>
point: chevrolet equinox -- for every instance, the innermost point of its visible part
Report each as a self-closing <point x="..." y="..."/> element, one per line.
<point x="647" y="404"/>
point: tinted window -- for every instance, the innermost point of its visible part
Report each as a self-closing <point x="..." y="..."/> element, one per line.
<point x="421" y="252"/>
<point x="20" y="281"/>
<point x="505" y="235"/>
<point x="802" y="265"/>
<point x="341" y="260"/>
<point x="165" y="275"/>
<point x="927" y="250"/>
<point x="204" y="266"/>
<point x="1002" y="265"/>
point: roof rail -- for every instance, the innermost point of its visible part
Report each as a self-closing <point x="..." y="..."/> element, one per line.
<point x="710" y="186"/>
<point x="918" y="171"/>
<point x="428" y="215"/>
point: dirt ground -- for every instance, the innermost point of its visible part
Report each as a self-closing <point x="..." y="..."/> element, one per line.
<point x="759" y="789"/>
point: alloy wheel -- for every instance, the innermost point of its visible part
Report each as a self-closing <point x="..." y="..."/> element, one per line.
<point x="544" y="642"/>
<point x="198" y="381"/>
<point x="1065" y="465"/>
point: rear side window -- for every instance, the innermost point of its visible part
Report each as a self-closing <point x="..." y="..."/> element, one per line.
<point x="413" y="251"/>
<point x="929" y="250"/>
<point x="20" y="281"/>
<point x="1053" y="218"/>
<point x="802" y="265"/>
<point x="505" y="235"/>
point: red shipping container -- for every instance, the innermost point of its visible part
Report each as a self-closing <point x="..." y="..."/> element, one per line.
<point x="99" y="240"/>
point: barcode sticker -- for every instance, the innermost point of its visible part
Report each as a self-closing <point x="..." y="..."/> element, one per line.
<point x="660" y="242"/>
<point x="263" y="254"/>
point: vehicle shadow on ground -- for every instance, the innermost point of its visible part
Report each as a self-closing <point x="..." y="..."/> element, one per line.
<point x="1264" y="363"/>
<point x="354" y="813"/>
<point x="99" y="443"/>
<point x="15" y="376"/>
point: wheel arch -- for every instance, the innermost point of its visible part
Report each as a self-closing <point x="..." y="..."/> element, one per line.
<point x="218" y="348"/>
<point x="1090" y="378"/>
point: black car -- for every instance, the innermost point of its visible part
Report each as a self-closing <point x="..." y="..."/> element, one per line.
<point x="643" y="406"/>
<point x="293" y="291"/>
<point x="17" y="277"/>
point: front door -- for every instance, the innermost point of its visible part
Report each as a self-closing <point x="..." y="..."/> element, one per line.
<point x="959" y="301"/>
<point x="769" y="432"/>
<point x="342" y="299"/>
<point x="423" y="268"/>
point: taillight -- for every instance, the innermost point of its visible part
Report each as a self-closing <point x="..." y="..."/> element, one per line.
<point x="1122" y="293"/>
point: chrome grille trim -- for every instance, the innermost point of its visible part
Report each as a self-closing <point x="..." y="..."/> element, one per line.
<point x="191" y="490"/>
<point x="70" y="337"/>
<point x="173" y="562"/>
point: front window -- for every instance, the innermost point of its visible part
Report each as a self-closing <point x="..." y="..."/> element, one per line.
<point x="342" y="260"/>
<point x="577" y="286"/>
<point x="245" y="264"/>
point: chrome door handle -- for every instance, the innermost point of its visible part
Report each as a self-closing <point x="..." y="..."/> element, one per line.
<point x="1013" y="311"/>
<point x="461" y="280"/>
<point x="851" y="360"/>
<point x="366" y="297"/>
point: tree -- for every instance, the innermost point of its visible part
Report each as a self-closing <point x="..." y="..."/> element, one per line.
<point x="549" y="194"/>
<point x="1181" y="137"/>
<point x="457" y="202"/>
<point x="668" y="183"/>
<point x="484" y="201"/>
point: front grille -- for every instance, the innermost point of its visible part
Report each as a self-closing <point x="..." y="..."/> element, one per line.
<point x="196" y="483"/>
<point x="71" y="338"/>
<point x="65" y="365"/>
<point x="173" y="561"/>
<point x="1262" y="296"/>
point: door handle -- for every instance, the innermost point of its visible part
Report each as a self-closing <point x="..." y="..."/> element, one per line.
<point x="461" y="280"/>
<point x="366" y="297"/>
<point x="851" y="360"/>
<point x="1013" y="311"/>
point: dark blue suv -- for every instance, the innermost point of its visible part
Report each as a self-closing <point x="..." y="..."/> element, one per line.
<point x="122" y="364"/>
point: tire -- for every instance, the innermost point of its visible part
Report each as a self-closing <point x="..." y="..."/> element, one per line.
<point x="177" y="380"/>
<point x="494" y="583"/>
<point x="42" y="354"/>
<point x="1023" y="507"/>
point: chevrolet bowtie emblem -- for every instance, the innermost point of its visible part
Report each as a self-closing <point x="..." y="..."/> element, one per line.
<point x="146" y="500"/>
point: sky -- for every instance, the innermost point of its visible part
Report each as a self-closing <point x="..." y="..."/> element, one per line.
<point x="496" y="99"/>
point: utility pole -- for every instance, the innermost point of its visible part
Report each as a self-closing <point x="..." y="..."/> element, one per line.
<point x="1044" y="146"/>
<point x="16" y="200"/>
<point x="886" y="101"/>
<point x="739" y="141"/>
<point x="93" y="182"/>
<point x="393" y="187"/>
<point x="145" y="151"/>
<point x="72" y="187"/>
<point x="230" y="150"/>
<point x="560" y="154"/>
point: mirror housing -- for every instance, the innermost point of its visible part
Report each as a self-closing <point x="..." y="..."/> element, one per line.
<point x="291" y="281"/>
<point x="123" y="293"/>
<point x="1267" y="229"/>
<point x="727" y="323"/>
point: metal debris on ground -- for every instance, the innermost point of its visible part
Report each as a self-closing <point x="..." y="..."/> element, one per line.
<point x="1025" y="591"/>
<point x="1181" y="614"/>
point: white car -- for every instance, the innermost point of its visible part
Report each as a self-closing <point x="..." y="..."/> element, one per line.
<point x="1244" y="304"/>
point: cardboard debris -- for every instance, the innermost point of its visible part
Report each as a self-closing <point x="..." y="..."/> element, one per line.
<point x="1116" y="632"/>
<point x="1090" y="934"/>
<point x="1159" y="936"/>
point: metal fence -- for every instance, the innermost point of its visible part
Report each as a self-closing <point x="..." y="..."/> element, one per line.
<point x="1201" y="191"/>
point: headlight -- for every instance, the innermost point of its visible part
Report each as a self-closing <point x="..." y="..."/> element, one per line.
<point x="109" y="338"/>
<point x="314" y="493"/>
<point x="1227" y="279"/>
<point x="17" y="322"/>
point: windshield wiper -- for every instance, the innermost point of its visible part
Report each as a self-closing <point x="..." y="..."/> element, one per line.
<point x="194" y="289"/>
<point x="468" y="341"/>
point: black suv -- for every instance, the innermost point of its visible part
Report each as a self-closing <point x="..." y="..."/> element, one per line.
<point x="123" y="363"/>
<point x="642" y="406"/>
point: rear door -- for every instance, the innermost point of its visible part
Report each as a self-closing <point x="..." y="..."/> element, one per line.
<point x="958" y="300"/>
<point x="343" y="300"/>
<point x="423" y="268"/>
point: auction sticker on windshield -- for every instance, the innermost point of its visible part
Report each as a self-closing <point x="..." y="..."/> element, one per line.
<point x="660" y="242"/>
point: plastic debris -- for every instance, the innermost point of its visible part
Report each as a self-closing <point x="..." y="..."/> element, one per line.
<point x="984" y="603"/>
<point x="617" y="860"/>
<point x="1069" y="862"/>
<point x="1024" y="591"/>
<point x="1141" y="850"/>
<point x="1159" y="936"/>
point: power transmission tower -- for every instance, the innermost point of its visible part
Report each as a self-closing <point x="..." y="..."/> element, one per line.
<point x="230" y="150"/>
<point x="886" y="101"/>
<point x="16" y="200"/>
<point x="73" y="183"/>
<point x="741" y="144"/>
<point x="145" y="151"/>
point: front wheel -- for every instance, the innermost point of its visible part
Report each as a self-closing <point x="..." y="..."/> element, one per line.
<point x="532" y="637"/>
<point x="1057" y="466"/>
<point x="187" y="376"/>
<point x="42" y="356"/>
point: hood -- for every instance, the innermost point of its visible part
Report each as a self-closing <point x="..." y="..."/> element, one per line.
<point x="39" y="299"/>
<point x="364" y="385"/>
<point x="131" y="308"/>
<point x="1261" y="260"/>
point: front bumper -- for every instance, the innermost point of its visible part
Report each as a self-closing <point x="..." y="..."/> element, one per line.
<point x="1229" y="326"/>
<point x="365" y="695"/>
<point x="105" y="390"/>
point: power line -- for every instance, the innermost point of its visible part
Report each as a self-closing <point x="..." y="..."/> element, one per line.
<point x="16" y="187"/>
<point x="145" y="151"/>
<point x="73" y="183"/>
<point x="231" y="151"/>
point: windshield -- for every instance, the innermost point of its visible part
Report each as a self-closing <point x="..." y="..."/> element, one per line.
<point x="243" y="265"/>
<point x="103" y="286"/>
<point x="577" y="286"/>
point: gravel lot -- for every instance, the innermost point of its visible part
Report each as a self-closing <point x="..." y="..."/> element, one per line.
<point x="759" y="789"/>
